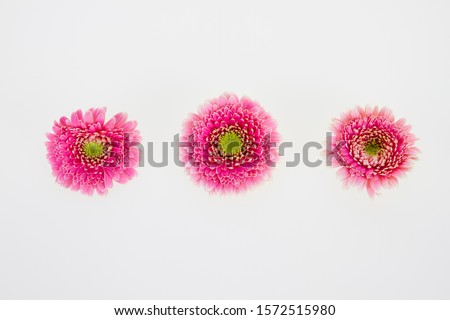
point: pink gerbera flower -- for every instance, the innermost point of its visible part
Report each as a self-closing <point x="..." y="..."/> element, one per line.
<point x="87" y="154"/>
<point x="371" y="148"/>
<point x="229" y="144"/>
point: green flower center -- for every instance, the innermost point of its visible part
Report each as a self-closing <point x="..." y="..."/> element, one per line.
<point x="372" y="148"/>
<point x="93" y="149"/>
<point x="230" y="143"/>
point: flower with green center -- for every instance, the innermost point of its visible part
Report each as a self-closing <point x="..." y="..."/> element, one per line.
<point x="93" y="149"/>
<point x="88" y="152"/>
<point x="372" y="148"/>
<point x="230" y="143"/>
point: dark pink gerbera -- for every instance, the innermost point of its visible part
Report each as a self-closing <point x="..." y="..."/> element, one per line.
<point x="371" y="148"/>
<point x="87" y="154"/>
<point x="229" y="144"/>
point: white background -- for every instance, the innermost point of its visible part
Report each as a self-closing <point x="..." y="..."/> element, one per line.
<point x="298" y="236"/>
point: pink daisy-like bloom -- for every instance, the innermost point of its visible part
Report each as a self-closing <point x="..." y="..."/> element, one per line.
<point x="228" y="146"/>
<point x="371" y="148"/>
<point x="87" y="154"/>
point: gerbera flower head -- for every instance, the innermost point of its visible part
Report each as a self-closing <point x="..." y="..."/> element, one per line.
<point x="88" y="154"/>
<point x="371" y="148"/>
<point x="228" y="146"/>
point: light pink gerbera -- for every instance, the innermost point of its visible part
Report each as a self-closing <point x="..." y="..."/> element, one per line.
<point x="371" y="148"/>
<point x="87" y="154"/>
<point x="229" y="144"/>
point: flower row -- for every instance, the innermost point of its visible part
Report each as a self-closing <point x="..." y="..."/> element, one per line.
<point x="228" y="146"/>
